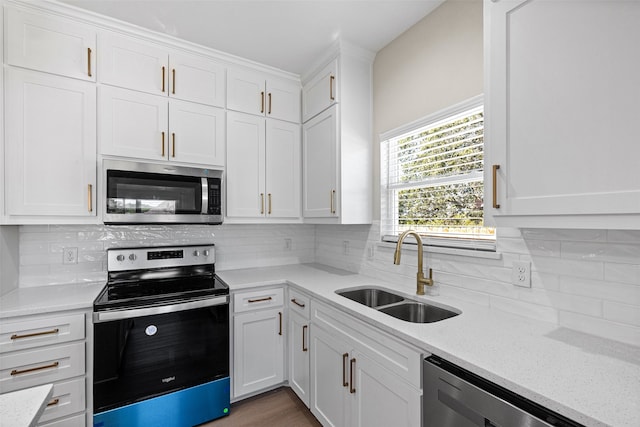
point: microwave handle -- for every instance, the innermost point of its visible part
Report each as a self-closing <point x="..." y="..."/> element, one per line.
<point x="205" y="196"/>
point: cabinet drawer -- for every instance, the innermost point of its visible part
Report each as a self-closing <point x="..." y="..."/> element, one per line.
<point x="68" y="398"/>
<point x="75" y="421"/>
<point x="38" y="332"/>
<point x="259" y="299"/>
<point x="299" y="303"/>
<point x="388" y="352"/>
<point x="35" y="367"/>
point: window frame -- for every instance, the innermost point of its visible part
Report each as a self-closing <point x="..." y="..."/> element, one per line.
<point x="388" y="215"/>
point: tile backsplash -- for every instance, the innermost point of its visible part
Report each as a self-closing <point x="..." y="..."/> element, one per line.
<point x="587" y="280"/>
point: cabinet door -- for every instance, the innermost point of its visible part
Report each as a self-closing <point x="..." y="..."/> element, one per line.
<point x="283" y="169"/>
<point x="320" y="139"/>
<point x="283" y="100"/>
<point x="196" y="133"/>
<point x="246" y="91"/>
<point x="379" y="398"/>
<point x="258" y="340"/>
<point x="196" y="79"/>
<point x="50" y="144"/>
<point x="133" y="64"/>
<point x="54" y="45"/>
<point x="320" y="92"/>
<point x="245" y="165"/>
<point x="133" y="124"/>
<point x="299" y="356"/>
<point x="329" y="378"/>
<point x="562" y="108"/>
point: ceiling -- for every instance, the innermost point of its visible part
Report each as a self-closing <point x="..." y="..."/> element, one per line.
<point x="286" y="34"/>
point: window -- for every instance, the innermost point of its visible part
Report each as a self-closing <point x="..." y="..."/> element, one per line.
<point x="432" y="179"/>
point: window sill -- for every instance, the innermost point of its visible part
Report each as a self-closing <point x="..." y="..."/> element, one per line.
<point x="449" y="251"/>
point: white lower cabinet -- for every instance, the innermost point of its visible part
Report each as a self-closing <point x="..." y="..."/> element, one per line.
<point x="361" y="376"/>
<point x="299" y="354"/>
<point x="38" y="350"/>
<point x="258" y="343"/>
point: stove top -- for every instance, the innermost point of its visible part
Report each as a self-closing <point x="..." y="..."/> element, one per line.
<point x="141" y="277"/>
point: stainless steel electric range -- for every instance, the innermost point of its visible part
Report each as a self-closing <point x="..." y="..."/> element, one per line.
<point x="161" y="339"/>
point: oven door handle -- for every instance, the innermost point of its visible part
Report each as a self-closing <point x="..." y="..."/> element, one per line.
<point x="106" y="316"/>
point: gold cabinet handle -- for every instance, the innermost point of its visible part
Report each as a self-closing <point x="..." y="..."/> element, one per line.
<point x="332" y="79"/>
<point x="295" y="301"/>
<point x="39" y="368"/>
<point x="261" y="203"/>
<point x="304" y="345"/>
<point x="173" y="78"/>
<point x="269" y="111"/>
<point x="333" y="206"/>
<point x="54" y="402"/>
<point x="280" y="320"/>
<point x="173" y="144"/>
<point x="162" y="144"/>
<point x="344" y="370"/>
<point x="89" y="61"/>
<point x="260" y="299"/>
<point x="35" y="334"/>
<point x="352" y="368"/>
<point x="495" y="187"/>
<point x="163" y="78"/>
<point x="269" y="196"/>
<point x="262" y="102"/>
<point x="90" y="197"/>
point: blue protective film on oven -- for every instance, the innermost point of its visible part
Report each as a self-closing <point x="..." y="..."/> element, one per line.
<point x="184" y="408"/>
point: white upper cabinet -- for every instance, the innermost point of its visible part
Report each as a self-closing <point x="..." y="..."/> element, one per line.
<point x="321" y="91"/>
<point x="263" y="168"/>
<point x="561" y="113"/>
<point x="50" y="150"/>
<point x="135" y="64"/>
<point x="257" y="93"/>
<point x="139" y="125"/>
<point x="54" y="45"/>
<point x="337" y="142"/>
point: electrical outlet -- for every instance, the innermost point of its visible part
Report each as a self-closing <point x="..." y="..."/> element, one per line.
<point x="70" y="256"/>
<point x="521" y="274"/>
<point x="345" y="247"/>
<point x="287" y="244"/>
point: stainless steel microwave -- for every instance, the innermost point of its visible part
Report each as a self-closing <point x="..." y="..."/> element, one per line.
<point x="143" y="193"/>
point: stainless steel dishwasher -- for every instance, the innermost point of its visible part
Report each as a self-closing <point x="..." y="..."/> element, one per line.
<point x="455" y="397"/>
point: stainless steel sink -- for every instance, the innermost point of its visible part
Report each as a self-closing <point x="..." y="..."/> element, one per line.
<point x="398" y="306"/>
<point x="371" y="297"/>
<point x="417" y="312"/>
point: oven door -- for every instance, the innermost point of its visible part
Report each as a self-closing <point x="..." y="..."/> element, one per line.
<point x="136" y="358"/>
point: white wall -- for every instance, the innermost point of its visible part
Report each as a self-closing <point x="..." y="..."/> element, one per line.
<point x="9" y="258"/>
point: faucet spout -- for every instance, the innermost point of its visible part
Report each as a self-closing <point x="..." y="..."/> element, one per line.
<point x="421" y="281"/>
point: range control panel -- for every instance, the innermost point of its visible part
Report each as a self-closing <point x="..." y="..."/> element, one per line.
<point x="122" y="259"/>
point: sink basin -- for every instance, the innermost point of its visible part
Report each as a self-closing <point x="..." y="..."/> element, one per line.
<point x="371" y="297"/>
<point x="418" y="313"/>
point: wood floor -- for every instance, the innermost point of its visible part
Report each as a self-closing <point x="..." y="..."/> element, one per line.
<point x="280" y="408"/>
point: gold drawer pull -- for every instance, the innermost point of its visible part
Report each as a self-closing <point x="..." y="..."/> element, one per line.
<point x="163" y="79"/>
<point x="260" y="299"/>
<point x="269" y="112"/>
<point x="90" y="197"/>
<point x="280" y="319"/>
<point x="269" y="211"/>
<point x="173" y="144"/>
<point x="332" y="79"/>
<point x="39" y="368"/>
<point x="344" y="369"/>
<point x="173" y="89"/>
<point x="261" y="203"/>
<point x="163" y="144"/>
<point x="89" y="62"/>
<point x="54" y="402"/>
<point x="299" y="304"/>
<point x="35" y="334"/>
<point x="262" y="102"/>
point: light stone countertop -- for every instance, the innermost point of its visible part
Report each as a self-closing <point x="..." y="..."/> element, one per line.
<point x="23" y="408"/>
<point x="589" y="379"/>
<point x="49" y="299"/>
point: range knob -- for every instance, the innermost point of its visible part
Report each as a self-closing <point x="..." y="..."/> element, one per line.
<point x="132" y="257"/>
<point x="120" y="257"/>
<point x="196" y="253"/>
<point x="206" y="252"/>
